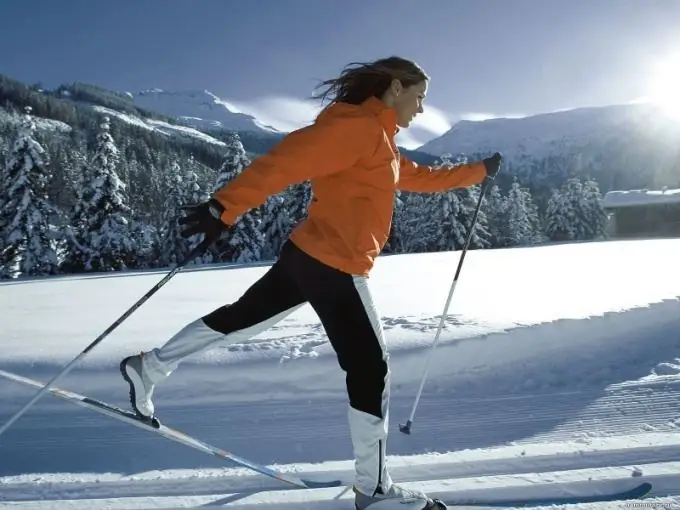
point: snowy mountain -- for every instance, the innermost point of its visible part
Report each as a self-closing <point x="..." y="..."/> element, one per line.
<point x="200" y="109"/>
<point x="622" y="147"/>
<point x="558" y="132"/>
<point x="531" y="392"/>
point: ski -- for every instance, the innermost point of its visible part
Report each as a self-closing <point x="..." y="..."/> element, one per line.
<point x="169" y="433"/>
<point x="637" y="492"/>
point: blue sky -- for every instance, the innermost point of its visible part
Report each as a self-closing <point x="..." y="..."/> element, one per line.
<point x="486" y="57"/>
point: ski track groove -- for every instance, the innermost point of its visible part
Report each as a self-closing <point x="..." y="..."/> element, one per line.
<point x="221" y="493"/>
<point x="457" y="424"/>
<point x="204" y="485"/>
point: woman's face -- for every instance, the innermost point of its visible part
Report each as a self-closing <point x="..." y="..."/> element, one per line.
<point x="407" y="101"/>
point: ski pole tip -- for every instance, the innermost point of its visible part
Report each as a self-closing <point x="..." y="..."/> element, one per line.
<point x="406" y="429"/>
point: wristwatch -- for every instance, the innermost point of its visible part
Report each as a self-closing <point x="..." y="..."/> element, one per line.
<point x="215" y="208"/>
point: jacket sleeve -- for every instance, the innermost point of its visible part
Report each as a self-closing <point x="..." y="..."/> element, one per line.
<point x="422" y="178"/>
<point x="322" y="148"/>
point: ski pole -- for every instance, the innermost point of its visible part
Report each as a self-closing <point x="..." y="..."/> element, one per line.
<point x="406" y="429"/>
<point x="193" y="254"/>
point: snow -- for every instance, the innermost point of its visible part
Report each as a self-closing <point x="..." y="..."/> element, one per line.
<point x="159" y="126"/>
<point x="41" y="124"/>
<point x="200" y="109"/>
<point x="557" y="373"/>
<point x="558" y="132"/>
<point x="628" y="198"/>
<point x="166" y="128"/>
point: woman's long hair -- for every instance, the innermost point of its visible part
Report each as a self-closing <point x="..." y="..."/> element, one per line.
<point x="361" y="80"/>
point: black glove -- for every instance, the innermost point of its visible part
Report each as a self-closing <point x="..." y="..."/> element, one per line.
<point x="493" y="165"/>
<point x="204" y="218"/>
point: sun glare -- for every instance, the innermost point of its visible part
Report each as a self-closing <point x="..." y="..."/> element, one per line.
<point x="664" y="86"/>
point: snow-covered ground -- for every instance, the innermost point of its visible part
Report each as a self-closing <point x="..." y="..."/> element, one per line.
<point x="558" y="373"/>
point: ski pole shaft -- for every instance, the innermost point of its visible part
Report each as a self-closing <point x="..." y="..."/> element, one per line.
<point x="194" y="253"/>
<point x="406" y="429"/>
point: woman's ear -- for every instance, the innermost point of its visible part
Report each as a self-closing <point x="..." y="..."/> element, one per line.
<point x="396" y="87"/>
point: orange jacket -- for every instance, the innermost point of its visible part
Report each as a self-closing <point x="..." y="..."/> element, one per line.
<point x="350" y="157"/>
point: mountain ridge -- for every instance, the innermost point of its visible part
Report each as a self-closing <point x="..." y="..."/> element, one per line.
<point x="543" y="132"/>
<point x="620" y="146"/>
<point x="200" y="109"/>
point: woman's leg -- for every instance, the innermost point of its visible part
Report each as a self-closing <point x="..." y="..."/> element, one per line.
<point x="266" y="302"/>
<point x="347" y="311"/>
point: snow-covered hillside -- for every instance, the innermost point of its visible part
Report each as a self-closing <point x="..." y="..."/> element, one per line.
<point x="41" y="124"/>
<point x="200" y="109"/>
<point x="159" y="126"/>
<point x="559" y="132"/>
<point x="557" y="373"/>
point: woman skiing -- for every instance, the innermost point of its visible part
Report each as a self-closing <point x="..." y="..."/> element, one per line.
<point x="350" y="156"/>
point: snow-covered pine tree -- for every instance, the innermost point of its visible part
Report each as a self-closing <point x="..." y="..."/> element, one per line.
<point x="593" y="210"/>
<point x="299" y="197"/>
<point x="28" y="238"/>
<point x="494" y="205"/>
<point x="183" y="189"/>
<point x="276" y="226"/>
<point x="243" y="242"/>
<point x="440" y="229"/>
<point x="148" y="181"/>
<point x="99" y="236"/>
<point x="559" y="217"/>
<point x="396" y="243"/>
<point x="415" y="226"/>
<point x="66" y="161"/>
<point x="135" y="193"/>
<point x="171" y="243"/>
<point x="469" y="198"/>
<point x="572" y="191"/>
<point x="296" y="200"/>
<point x="583" y="207"/>
<point x="234" y="162"/>
<point x="144" y="237"/>
<point x="447" y="215"/>
<point x="192" y="193"/>
<point x="4" y="145"/>
<point x="522" y="217"/>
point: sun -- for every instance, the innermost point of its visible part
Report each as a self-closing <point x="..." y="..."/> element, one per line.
<point x="664" y="85"/>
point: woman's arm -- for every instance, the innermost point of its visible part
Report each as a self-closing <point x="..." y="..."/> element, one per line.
<point x="423" y="178"/>
<point x="328" y="146"/>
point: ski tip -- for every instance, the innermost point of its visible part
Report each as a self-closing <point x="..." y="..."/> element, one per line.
<point x="645" y="487"/>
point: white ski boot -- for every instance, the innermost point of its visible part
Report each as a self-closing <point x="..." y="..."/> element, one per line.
<point x="141" y="387"/>
<point x="396" y="498"/>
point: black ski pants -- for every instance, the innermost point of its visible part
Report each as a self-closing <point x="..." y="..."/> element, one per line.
<point x="345" y="308"/>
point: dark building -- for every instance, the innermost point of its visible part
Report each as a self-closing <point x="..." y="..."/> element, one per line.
<point x="643" y="213"/>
